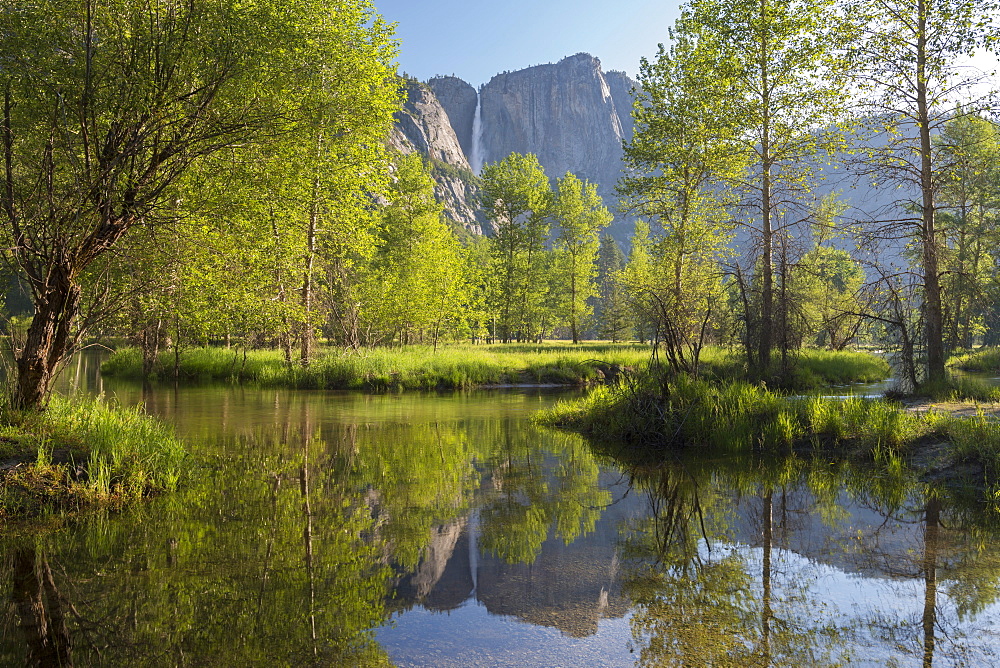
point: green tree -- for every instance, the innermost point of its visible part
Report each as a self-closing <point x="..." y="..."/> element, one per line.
<point x="781" y="91"/>
<point x="636" y="278"/>
<point x="968" y="148"/>
<point x="610" y="308"/>
<point x="579" y="215"/>
<point x="415" y="284"/>
<point x="109" y="104"/>
<point x="517" y="199"/>
<point x="905" y="62"/>
<point x="678" y="159"/>
<point x="828" y="284"/>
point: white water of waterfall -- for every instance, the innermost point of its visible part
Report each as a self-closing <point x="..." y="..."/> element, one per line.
<point x="477" y="158"/>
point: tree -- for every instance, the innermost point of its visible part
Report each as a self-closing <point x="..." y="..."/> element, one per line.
<point x="678" y="160"/>
<point x="635" y="279"/>
<point x="610" y="308"/>
<point x="968" y="148"/>
<point x="517" y="198"/>
<point x="415" y="283"/>
<point x="107" y="105"/>
<point x="579" y="215"/>
<point x="905" y="61"/>
<point x="781" y="91"/>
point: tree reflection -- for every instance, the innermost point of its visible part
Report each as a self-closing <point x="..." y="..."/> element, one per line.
<point x="42" y="610"/>
<point x="284" y="568"/>
<point x="538" y="481"/>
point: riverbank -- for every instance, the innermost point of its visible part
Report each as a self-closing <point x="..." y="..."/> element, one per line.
<point x="658" y="416"/>
<point x="454" y="367"/>
<point x="82" y="453"/>
<point x="458" y="367"/>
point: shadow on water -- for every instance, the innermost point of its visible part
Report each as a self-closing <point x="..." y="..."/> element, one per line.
<point x="336" y="528"/>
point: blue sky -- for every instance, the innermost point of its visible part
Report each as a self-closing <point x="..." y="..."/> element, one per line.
<point x="474" y="39"/>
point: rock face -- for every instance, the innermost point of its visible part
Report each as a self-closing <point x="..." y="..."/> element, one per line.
<point x="570" y="114"/>
<point x="563" y="113"/>
<point x="423" y="125"/>
<point x="621" y="86"/>
<point x="459" y="100"/>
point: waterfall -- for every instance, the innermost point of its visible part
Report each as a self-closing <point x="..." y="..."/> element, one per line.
<point x="478" y="158"/>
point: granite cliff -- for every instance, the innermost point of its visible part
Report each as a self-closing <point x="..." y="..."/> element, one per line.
<point x="423" y="125"/>
<point x="563" y="113"/>
<point x="571" y="114"/>
<point x="459" y="100"/>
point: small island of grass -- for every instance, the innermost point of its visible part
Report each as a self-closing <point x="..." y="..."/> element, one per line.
<point x="83" y="453"/>
<point x="657" y="412"/>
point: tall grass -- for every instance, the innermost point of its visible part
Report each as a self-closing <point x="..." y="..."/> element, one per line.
<point x="467" y="366"/>
<point x="656" y="414"/>
<point x="959" y="388"/>
<point x="84" y="452"/>
<point x="984" y="359"/>
<point x="411" y="367"/>
<point x="809" y="368"/>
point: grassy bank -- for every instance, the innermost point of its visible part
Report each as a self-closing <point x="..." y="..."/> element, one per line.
<point x="986" y="360"/>
<point x="681" y="413"/>
<point x="805" y="369"/>
<point x="467" y="366"/>
<point x="81" y="453"/>
<point x="411" y="367"/>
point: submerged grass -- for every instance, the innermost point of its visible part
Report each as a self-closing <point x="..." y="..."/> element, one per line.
<point x="410" y="367"/>
<point x="83" y="452"/>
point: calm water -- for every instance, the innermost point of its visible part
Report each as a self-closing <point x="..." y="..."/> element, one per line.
<point x="427" y="530"/>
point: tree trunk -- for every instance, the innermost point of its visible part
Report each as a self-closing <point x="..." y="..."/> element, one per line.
<point x="48" y="341"/>
<point x="150" y="346"/>
<point x="933" y="327"/>
<point x="40" y="607"/>
<point x="307" y="289"/>
<point x="767" y="262"/>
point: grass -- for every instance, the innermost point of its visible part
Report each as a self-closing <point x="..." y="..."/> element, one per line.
<point x="659" y="414"/>
<point x="467" y="366"/>
<point x="81" y="453"/>
<point x="411" y="367"/>
<point x="986" y="360"/>
<point x="809" y="368"/>
<point x="959" y="388"/>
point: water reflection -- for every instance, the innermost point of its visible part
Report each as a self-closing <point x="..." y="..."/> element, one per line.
<point x="806" y="563"/>
<point x="440" y="530"/>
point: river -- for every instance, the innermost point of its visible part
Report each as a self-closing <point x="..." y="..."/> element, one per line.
<point x="343" y="529"/>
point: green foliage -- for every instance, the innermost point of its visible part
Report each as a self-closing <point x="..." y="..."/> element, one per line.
<point x="907" y="67"/>
<point x="610" y="307"/>
<point x="579" y="217"/>
<point x="86" y="453"/>
<point x="969" y="148"/>
<point x="166" y="126"/>
<point x="415" y="281"/>
<point x="517" y="199"/>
